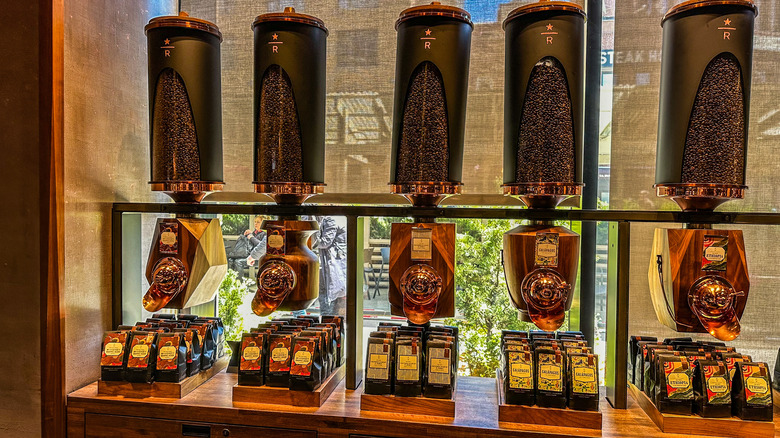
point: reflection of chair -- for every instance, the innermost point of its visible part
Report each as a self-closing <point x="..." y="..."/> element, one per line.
<point x="385" y="251"/>
<point x="368" y="271"/>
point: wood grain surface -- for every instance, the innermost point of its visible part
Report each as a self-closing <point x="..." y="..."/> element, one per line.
<point x="545" y="416"/>
<point x="695" y="425"/>
<point x="269" y="395"/>
<point x="476" y="414"/>
<point x="408" y="405"/>
<point x="162" y="389"/>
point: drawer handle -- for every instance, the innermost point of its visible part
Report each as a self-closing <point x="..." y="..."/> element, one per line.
<point x="225" y="432"/>
<point x="195" y="430"/>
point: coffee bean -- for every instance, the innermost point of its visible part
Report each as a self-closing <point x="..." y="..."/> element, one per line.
<point x="715" y="144"/>
<point x="175" y="152"/>
<point x="278" y="145"/>
<point x="545" y="150"/>
<point x="423" y="152"/>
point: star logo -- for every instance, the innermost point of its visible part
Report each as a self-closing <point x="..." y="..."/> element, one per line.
<point x="549" y="27"/>
<point x="275" y="37"/>
<point x="727" y="22"/>
<point x="167" y="41"/>
<point x="427" y="32"/>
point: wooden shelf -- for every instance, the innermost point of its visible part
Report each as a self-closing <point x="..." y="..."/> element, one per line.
<point x="434" y="407"/>
<point x="695" y="425"/>
<point x="162" y="389"/>
<point x="544" y="416"/>
<point x="268" y="395"/>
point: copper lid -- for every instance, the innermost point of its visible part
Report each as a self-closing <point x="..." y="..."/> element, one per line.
<point x="290" y="15"/>
<point x="184" y="20"/>
<point x="693" y="4"/>
<point x="544" y="5"/>
<point x="435" y="9"/>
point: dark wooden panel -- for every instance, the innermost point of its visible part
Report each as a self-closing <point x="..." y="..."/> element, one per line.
<point x="269" y="395"/>
<point x="408" y="405"/>
<point x="101" y="425"/>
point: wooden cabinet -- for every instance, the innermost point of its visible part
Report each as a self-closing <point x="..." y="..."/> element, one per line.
<point x="102" y="425"/>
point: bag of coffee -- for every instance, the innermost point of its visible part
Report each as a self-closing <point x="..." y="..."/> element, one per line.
<point x="732" y="359"/>
<point x="171" y="358"/>
<point x="518" y="377"/>
<point x="192" y="340"/>
<point x="550" y="378"/>
<point x="751" y="392"/>
<point x="279" y="358"/>
<point x="142" y="357"/>
<point x="379" y="366"/>
<point x="114" y="356"/>
<point x="648" y="367"/>
<point x="582" y="373"/>
<point x="438" y="379"/>
<point x="712" y="390"/>
<point x="251" y="368"/>
<point x="408" y="367"/>
<point x="306" y="366"/>
<point x="325" y="357"/>
<point x="674" y="388"/>
<point x="208" y="347"/>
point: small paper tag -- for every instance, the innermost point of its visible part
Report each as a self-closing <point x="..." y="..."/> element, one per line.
<point x="546" y="253"/>
<point x="715" y="253"/>
<point x="275" y="241"/>
<point x="169" y="238"/>
<point x="422" y="245"/>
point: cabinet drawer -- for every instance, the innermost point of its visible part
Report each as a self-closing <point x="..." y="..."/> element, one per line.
<point x="102" y="425"/>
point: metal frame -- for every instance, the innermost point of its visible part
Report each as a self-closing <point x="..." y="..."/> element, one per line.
<point x="618" y="280"/>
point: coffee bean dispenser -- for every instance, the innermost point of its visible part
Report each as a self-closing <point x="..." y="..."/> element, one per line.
<point x="543" y="138"/>
<point x="185" y="106"/>
<point x="290" y="51"/>
<point x="290" y="55"/>
<point x="698" y="276"/>
<point x="187" y="259"/>
<point x="431" y="81"/>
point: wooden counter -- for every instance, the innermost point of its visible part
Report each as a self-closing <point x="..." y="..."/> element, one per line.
<point x="209" y="411"/>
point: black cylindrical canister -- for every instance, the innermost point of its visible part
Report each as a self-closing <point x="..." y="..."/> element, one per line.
<point x="706" y="74"/>
<point x="429" y="115"/>
<point x="185" y="106"/>
<point x="290" y="55"/>
<point x="543" y="99"/>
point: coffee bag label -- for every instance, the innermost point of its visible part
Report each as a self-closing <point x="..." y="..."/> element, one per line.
<point x="550" y="373"/>
<point x="757" y="390"/>
<point x="439" y="366"/>
<point x="113" y="349"/>
<point x="302" y="358"/>
<point x="275" y="240"/>
<point x="167" y="352"/>
<point x="583" y="375"/>
<point x="378" y="362"/>
<point x="715" y="252"/>
<point x="546" y="253"/>
<point x="408" y="364"/>
<point x="717" y="382"/>
<point x="251" y="353"/>
<point x="520" y="371"/>
<point x="139" y="351"/>
<point x="280" y="354"/>
<point x="679" y="385"/>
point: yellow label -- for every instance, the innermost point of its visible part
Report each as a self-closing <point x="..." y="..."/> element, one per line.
<point x="302" y="358"/>
<point x="520" y="370"/>
<point x="407" y="362"/>
<point x="167" y="353"/>
<point x="280" y="354"/>
<point x="715" y="254"/>
<point x="377" y="361"/>
<point x="252" y="353"/>
<point x="547" y="250"/>
<point x="586" y="375"/>
<point x="717" y="384"/>
<point x="168" y="238"/>
<point x="140" y="351"/>
<point x="678" y="380"/>
<point x="275" y="241"/>
<point x="113" y="349"/>
<point x="550" y="372"/>
<point x="440" y="366"/>
<point x="756" y="385"/>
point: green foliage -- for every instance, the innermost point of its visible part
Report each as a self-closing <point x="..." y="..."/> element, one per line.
<point x="380" y="226"/>
<point x="482" y="298"/>
<point x="231" y="294"/>
<point x="234" y="224"/>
